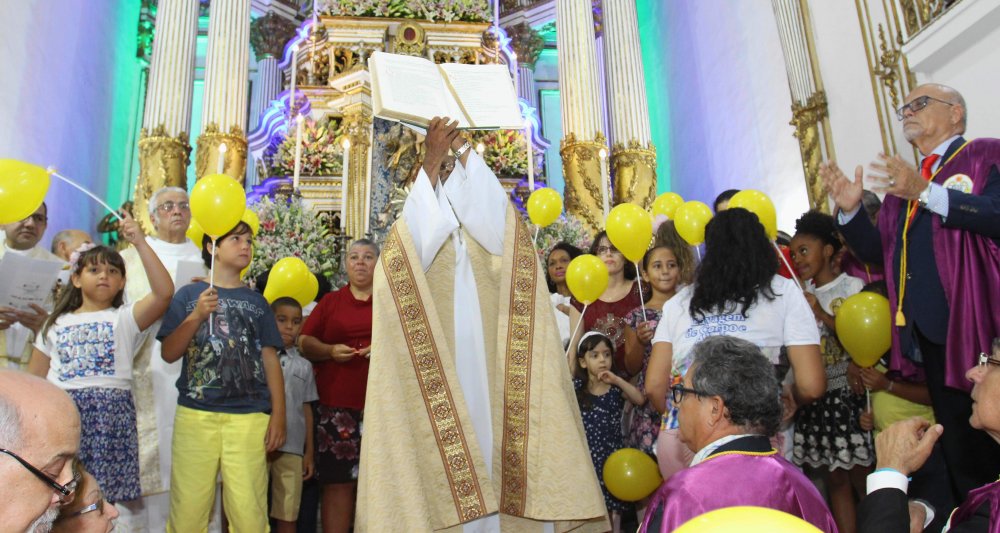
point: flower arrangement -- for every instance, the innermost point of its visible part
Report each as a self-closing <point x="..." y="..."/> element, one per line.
<point x="566" y="228"/>
<point x="433" y="10"/>
<point x="322" y="154"/>
<point x="505" y="152"/>
<point x="289" y="229"/>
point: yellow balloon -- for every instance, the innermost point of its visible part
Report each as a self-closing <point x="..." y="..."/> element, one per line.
<point x="587" y="277"/>
<point x="864" y="327"/>
<point x="746" y="519"/>
<point x="631" y="475"/>
<point x="22" y="189"/>
<point x="690" y="220"/>
<point x="287" y="278"/>
<point x="759" y="204"/>
<point x="544" y="206"/>
<point x="666" y="204"/>
<point x="195" y="233"/>
<point x="252" y="220"/>
<point x="308" y="291"/>
<point x="218" y="203"/>
<point x="630" y="229"/>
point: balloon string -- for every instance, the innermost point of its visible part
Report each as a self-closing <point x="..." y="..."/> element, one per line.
<point x="642" y="299"/>
<point x="88" y="193"/>
<point x="535" y="240"/>
<point x="787" y="265"/>
<point x="211" y="284"/>
<point x="868" y="398"/>
<point x="697" y="252"/>
<point x="575" y="331"/>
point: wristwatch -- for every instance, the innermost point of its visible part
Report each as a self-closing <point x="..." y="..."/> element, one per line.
<point x="925" y="196"/>
<point x="461" y="151"/>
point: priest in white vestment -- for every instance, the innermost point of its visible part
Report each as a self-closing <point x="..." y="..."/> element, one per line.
<point x="155" y="381"/>
<point x="471" y="421"/>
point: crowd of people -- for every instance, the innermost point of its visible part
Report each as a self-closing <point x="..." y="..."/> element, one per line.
<point x="147" y="390"/>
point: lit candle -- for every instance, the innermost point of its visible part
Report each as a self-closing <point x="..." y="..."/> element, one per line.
<point x="295" y="71"/>
<point x="480" y="148"/>
<point x="298" y="152"/>
<point x="531" y="160"/>
<point x="605" y="182"/>
<point x="222" y="159"/>
<point x="343" y="183"/>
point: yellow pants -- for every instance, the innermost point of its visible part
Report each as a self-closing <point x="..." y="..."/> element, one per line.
<point x="203" y="442"/>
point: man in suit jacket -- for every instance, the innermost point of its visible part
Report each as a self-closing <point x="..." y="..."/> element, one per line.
<point x="937" y="237"/>
<point x="904" y="446"/>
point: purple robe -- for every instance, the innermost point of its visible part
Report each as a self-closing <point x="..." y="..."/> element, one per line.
<point x="968" y="265"/>
<point x="986" y="494"/>
<point x="731" y="479"/>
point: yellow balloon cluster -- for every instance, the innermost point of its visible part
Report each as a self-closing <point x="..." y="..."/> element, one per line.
<point x="759" y="204"/>
<point x="631" y="475"/>
<point x="630" y="229"/>
<point x="666" y="204"/>
<point x="218" y="203"/>
<point x="587" y="277"/>
<point x="746" y="519"/>
<point x="22" y="189"/>
<point x="291" y="277"/>
<point x="864" y="327"/>
<point x="690" y="220"/>
<point x="544" y="206"/>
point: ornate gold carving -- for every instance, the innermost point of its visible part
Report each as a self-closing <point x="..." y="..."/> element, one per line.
<point x="357" y="126"/>
<point x="517" y="375"/>
<point x="349" y="59"/>
<point x="918" y="14"/>
<point x="889" y="62"/>
<point x="582" y="174"/>
<point x="411" y="40"/>
<point x="269" y="34"/>
<point x="807" y="120"/>
<point x="466" y="56"/>
<point x="439" y="405"/>
<point x="163" y="162"/>
<point x="634" y="168"/>
<point x="207" y="160"/>
<point x="527" y="43"/>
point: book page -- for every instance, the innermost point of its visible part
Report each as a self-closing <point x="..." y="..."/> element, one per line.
<point x="486" y="95"/>
<point x="409" y="89"/>
<point x="27" y="281"/>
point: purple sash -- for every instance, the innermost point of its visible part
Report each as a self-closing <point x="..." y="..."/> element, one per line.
<point x="977" y="497"/>
<point x="968" y="265"/>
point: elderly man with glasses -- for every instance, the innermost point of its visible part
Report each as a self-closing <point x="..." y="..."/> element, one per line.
<point x="155" y="390"/>
<point x="729" y="407"/>
<point x="39" y="440"/>
<point x="904" y="446"/>
<point x="938" y="239"/>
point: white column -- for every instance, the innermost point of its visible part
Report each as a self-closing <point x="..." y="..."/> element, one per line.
<point x="626" y="82"/>
<point x="266" y="88"/>
<point x="579" y="93"/>
<point x="171" y="70"/>
<point x="526" y="83"/>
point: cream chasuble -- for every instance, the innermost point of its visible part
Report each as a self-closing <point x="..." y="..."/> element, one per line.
<point x="471" y="422"/>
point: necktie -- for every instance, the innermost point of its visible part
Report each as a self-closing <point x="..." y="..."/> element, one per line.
<point x="927" y="165"/>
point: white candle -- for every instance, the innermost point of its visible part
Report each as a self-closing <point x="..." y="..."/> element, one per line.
<point x="343" y="183"/>
<point x="605" y="182"/>
<point x="480" y="148"/>
<point x="298" y="153"/>
<point x="295" y="71"/>
<point x="531" y="160"/>
<point x="222" y="159"/>
<point x="368" y="195"/>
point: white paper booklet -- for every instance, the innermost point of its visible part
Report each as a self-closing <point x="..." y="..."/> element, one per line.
<point x="24" y="281"/>
<point x="414" y="90"/>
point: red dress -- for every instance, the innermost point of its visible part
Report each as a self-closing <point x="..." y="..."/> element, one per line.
<point x="340" y="318"/>
<point x="609" y="318"/>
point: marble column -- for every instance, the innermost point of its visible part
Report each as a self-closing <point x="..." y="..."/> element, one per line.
<point x="581" y="112"/>
<point x="809" y="109"/>
<point x="633" y="156"/>
<point x="164" y="149"/>
<point x="528" y="45"/>
<point x="268" y="35"/>
<point x="224" y="116"/>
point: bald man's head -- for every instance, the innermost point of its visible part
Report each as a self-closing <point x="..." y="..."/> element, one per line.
<point x="67" y="241"/>
<point x="39" y="424"/>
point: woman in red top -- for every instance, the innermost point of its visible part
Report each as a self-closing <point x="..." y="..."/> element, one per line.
<point x="337" y="339"/>
<point x="607" y="315"/>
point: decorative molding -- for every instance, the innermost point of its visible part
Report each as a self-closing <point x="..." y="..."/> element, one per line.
<point x="582" y="174"/>
<point x="527" y="43"/>
<point x="163" y="162"/>
<point x="235" y="159"/>
<point x="807" y="119"/>
<point x="268" y="35"/>
<point x="634" y="167"/>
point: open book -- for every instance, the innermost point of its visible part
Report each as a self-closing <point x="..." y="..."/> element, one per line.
<point x="414" y="90"/>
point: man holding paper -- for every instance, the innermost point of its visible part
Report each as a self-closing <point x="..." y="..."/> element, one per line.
<point x="19" y="326"/>
<point x="155" y="391"/>
<point x="471" y="421"/>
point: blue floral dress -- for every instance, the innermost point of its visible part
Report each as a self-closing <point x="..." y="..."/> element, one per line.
<point x="602" y="422"/>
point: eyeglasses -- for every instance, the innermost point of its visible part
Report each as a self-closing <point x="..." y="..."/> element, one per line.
<point x="986" y="360"/>
<point x="601" y="250"/>
<point x="917" y="104"/>
<point x="678" y="392"/>
<point x="96" y="506"/>
<point x="63" y="490"/>
<point x="167" y="207"/>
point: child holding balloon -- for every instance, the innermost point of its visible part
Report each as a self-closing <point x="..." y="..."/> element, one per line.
<point x="231" y="401"/>
<point x="86" y="347"/>
<point x="601" y="395"/>
<point x="828" y="435"/>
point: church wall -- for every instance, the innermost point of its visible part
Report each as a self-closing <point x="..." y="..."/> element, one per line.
<point x="71" y="74"/>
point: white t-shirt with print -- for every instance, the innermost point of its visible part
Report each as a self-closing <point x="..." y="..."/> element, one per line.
<point x="830" y="297"/>
<point x="93" y="349"/>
